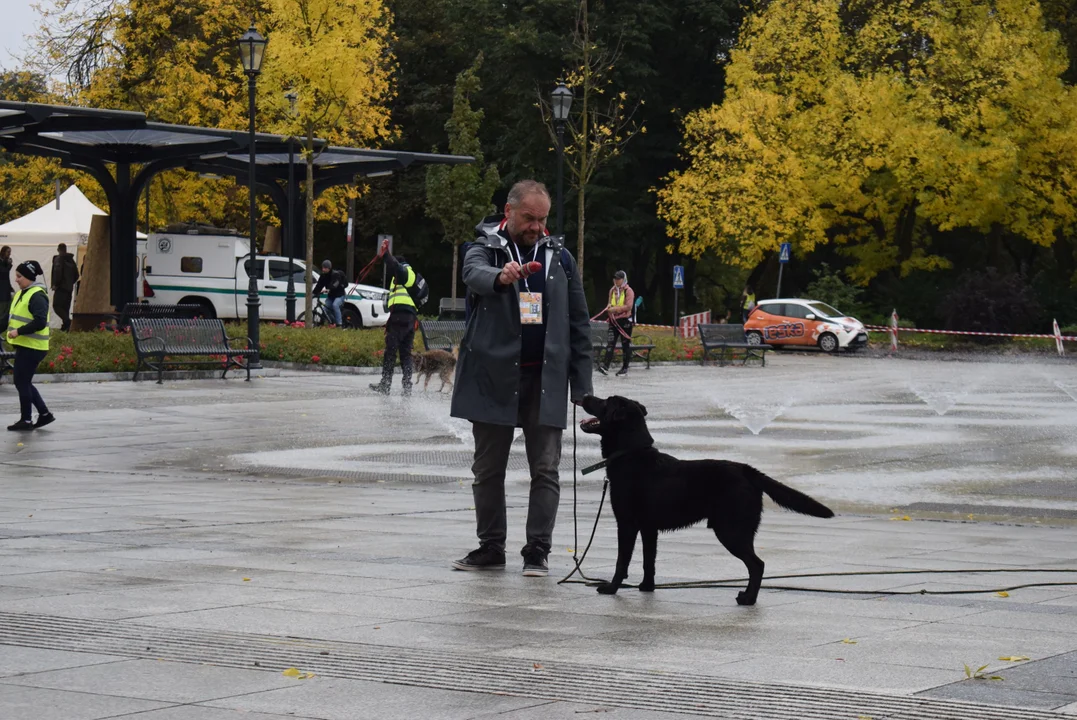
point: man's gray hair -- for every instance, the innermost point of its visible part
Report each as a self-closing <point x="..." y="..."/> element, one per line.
<point x="524" y="188"/>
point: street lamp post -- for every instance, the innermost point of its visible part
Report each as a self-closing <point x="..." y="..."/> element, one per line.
<point x="560" y="103"/>
<point x="289" y="297"/>
<point x="251" y="48"/>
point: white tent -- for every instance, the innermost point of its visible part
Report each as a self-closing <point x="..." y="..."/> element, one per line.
<point x="66" y="220"/>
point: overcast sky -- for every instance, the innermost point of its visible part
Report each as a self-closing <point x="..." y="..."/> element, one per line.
<point x="19" y="20"/>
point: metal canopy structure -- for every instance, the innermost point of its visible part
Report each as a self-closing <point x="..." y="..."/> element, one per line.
<point x="106" y="144"/>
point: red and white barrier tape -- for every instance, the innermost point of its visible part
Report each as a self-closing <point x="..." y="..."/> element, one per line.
<point x="887" y="329"/>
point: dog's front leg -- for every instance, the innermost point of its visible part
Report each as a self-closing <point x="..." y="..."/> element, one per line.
<point x="626" y="543"/>
<point x="650" y="550"/>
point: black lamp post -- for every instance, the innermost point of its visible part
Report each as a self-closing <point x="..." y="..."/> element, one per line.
<point x="561" y="103"/>
<point x="289" y="297"/>
<point x="251" y="47"/>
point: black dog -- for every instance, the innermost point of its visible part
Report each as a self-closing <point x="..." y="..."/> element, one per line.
<point x="651" y="491"/>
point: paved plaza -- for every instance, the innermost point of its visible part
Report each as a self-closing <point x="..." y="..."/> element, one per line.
<point x="209" y="550"/>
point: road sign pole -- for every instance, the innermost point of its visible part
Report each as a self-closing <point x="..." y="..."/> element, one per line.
<point x="676" y="324"/>
<point x="780" y="268"/>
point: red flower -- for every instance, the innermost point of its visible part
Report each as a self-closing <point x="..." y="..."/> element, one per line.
<point x="74" y="363"/>
<point x="52" y="364"/>
<point x="315" y="359"/>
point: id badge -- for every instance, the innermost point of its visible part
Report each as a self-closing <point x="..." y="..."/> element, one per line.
<point x="531" y="308"/>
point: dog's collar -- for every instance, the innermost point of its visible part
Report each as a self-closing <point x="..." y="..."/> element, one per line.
<point x="605" y="461"/>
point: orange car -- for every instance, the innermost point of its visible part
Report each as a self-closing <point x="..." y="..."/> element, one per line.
<point x="792" y="321"/>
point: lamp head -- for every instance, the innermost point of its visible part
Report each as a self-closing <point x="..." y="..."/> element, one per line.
<point x="251" y="48"/>
<point x="561" y="102"/>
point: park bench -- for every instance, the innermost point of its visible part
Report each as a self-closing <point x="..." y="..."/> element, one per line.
<point x="6" y="356"/>
<point x="641" y="344"/>
<point x="159" y="338"/>
<point x="728" y="340"/>
<point x="449" y="309"/>
<point x="156" y="310"/>
<point x="442" y="334"/>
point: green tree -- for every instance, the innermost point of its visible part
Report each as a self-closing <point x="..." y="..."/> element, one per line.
<point x="457" y="195"/>
<point x="874" y="126"/>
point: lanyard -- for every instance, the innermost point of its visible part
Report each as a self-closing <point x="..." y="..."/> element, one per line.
<point x="520" y="259"/>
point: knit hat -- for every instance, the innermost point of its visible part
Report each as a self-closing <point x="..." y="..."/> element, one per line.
<point x="31" y="270"/>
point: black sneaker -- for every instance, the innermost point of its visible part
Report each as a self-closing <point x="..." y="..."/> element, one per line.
<point x="601" y="369"/>
<point x="535" y="562"/>
<point x="485" y="558"/>
<point x="379" y="388"/>
<point x="622" y="372"/>
<point x="21" y="425"/>
<point x="43" y="420"/>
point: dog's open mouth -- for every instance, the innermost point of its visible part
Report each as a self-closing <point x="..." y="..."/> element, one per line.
<point x="590" y="425"/>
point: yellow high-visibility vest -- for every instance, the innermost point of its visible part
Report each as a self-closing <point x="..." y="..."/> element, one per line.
<point x="749" y="301"/>
<point x="399" y="295"/>
<point x="618" y="298"/>
<point x="20" y="315"/>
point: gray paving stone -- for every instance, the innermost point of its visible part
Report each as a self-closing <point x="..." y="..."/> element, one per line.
<point x="31" y="703"/>
<point x="338" y="699"/>
<point x="15" y="660"/>
<point x="168" y="682"/>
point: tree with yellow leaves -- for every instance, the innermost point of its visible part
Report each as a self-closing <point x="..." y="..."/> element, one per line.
<point x="334" y="54"/>
<point x="603" y="121"/>
<point x="871" y="124"/>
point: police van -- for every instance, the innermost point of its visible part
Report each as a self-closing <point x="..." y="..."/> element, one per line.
<point x="210" y="267"/>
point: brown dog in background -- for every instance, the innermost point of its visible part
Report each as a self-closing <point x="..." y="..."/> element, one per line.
<point x="436" y="362"/>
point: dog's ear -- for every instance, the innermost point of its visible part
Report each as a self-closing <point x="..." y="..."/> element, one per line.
<point x="642" y="408"/>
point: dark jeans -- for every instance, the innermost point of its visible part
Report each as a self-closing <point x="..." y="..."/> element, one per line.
<point x="61" y="305"/>
<point x="613" y="335"/>
<point x="399" y="335"/>
<point x="543" y="446"/>
<point x="26" y="362"/>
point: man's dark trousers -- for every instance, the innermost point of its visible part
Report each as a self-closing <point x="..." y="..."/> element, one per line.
<point x="61" y="305"/>
<point x="399" y="336"/>
<point x="543" y="446"/>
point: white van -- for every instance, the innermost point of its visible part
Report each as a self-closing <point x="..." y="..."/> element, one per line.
<point x="210" y="267"/>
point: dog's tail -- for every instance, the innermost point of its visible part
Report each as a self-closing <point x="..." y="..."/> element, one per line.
<point x="789" y="498"/>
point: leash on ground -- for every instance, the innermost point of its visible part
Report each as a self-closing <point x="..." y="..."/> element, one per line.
<point x="738" y="583"/>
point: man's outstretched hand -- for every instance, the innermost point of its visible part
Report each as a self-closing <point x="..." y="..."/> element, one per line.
<point x="384" y="248"/>
<point x="514" y="271"/>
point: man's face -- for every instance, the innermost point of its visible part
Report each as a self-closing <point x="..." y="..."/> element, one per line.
<point x="618" y="281"/>
<point x="22" y="282"/>
<point x="527" y="220"/>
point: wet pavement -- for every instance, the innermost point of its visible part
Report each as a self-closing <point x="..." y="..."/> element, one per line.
<point x="167" y="551"/>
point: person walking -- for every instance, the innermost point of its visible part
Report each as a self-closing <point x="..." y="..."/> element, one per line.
<point x="526" y="349"/>
<point x="334" y="282"/>
<point x="403" y="319"/>
<point x="65" y="273"/>
<point x="28" y="334"/>
<point x="747" y="302"/>
<point x="619" y="312"/>
<point x="6" y="290"/>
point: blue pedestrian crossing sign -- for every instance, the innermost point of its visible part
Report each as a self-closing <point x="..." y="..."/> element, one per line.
<point x="678" y="277"/>
<point x="786" y="251"/>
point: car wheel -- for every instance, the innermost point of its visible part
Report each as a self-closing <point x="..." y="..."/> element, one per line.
<point x="828" y="342"/>
<point x="754" y="338"/>
<point x="351" y="317"/>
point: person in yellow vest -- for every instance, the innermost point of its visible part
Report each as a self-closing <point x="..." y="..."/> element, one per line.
<point x="747" y="302"/>
<point x="619" y="315"/>
<point x="400" y="327"/>
<point x="28" y="334"/>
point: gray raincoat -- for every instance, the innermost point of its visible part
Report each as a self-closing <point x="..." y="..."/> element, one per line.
<point x="488" y="370"/>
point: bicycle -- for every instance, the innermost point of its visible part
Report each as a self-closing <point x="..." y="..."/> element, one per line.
<point x="321" y="315"/>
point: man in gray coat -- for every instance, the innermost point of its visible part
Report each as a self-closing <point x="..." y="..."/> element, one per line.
<point x="527" y="343"/>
